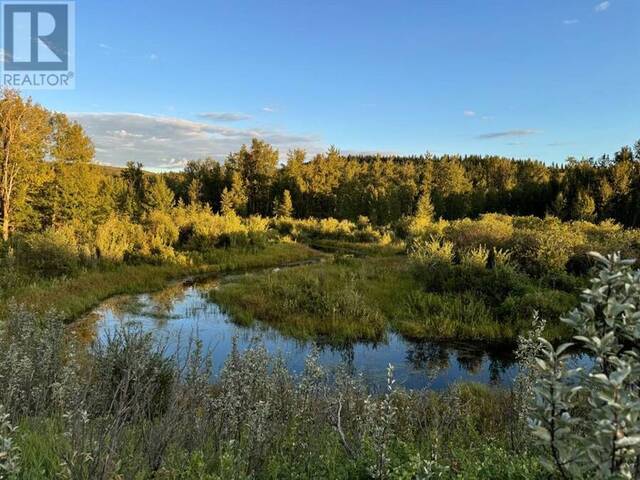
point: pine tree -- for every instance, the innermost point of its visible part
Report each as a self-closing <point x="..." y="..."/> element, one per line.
<point x="424" y="208"/>
<point x="159" y="196"/>
<point x="226" y="202"/>
<point x="284" y="207"/>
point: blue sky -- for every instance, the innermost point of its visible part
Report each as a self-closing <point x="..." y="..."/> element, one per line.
<point x="164" y="81"/>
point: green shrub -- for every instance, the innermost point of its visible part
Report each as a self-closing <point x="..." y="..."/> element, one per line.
<point x="542" y="246"/>
<point x="119" y="237"/>
<point x="160" y="230"/>
<point x="491" y="230"/>
<point x="433" y="252"/>
<point x="49" y="254"/>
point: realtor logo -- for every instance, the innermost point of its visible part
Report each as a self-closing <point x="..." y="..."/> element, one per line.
<point x="38" y="49"/>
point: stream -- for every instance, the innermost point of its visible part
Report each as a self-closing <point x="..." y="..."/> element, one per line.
<point x="183" y="309"/>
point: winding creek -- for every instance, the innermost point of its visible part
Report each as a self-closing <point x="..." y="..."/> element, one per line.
<point x="183" y="309"/>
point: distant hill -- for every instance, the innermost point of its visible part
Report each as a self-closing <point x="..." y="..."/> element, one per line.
<point x="115" y="171"/>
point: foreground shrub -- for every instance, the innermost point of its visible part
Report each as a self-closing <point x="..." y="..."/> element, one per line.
<point x="32" y="359"/>
<point x="589" y="418"/>
<point x="160" y="230"/>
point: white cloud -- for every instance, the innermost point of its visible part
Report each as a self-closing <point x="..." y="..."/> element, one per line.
<point x="508" y="133"/>
<point x="225" y="116"/>
<point x="602" y="6"/>
<point x="162" y="142"/>
<point x="469" y="113"/>
<point x="571" y="21"/>
<point x="269" y="109"/>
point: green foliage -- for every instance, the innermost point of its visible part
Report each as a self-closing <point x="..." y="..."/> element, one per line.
<point x="159" y="196"/>
<point x="431" y="253"/>
<point x="255" y="421"/>
<point x="284" y="206"/>
<point x="161" y="230"/>
<point x="118" y="237"/>
<point x="588" y="418"/>
<point x="50" y="254"/>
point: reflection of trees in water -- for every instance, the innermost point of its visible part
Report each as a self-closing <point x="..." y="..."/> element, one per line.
<point x="434" y="357"/>
<point x="500" y="360"/>
<point x="470" y="359"/>
<point x="346" y="352"/>
<point x="162" y="303"/>
<point x="430" y="357"/>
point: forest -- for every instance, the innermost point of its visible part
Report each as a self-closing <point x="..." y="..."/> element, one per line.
<point x="334" y="251"/>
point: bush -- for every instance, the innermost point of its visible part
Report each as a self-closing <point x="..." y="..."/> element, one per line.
<point x="118" y="237"/>
<point x="588" y="419"/>
<point x="542" y="246"/>
<point x="431" y="252"/>
<point x="161" y="231"/>
<point x="49" y="254"/>
<point x="491" y="230"/>
<point x="132" y="375"/>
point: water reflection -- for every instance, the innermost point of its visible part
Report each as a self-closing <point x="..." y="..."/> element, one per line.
<point x="182" y="310"/>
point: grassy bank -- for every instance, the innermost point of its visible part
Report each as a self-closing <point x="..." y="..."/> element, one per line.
<point x="74" y="295"/>
<point x="360" y="298"/>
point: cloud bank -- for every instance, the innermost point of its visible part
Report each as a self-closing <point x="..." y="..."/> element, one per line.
<point x="160" y="142"/>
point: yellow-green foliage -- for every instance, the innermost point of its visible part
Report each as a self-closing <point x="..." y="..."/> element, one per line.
<point x="333" y="229"/>
<point x="160" y="229"/>
<point x="117" y="237"/>
<point x="433" y="251"/>
<point x="475" y="257"/>
<point x="52" y="253"/>
<point x="537" y="245"/>
<point x="544" y="244"/>
<point x="490" y="230"/>
<point x="201" y="229"/>
<point x="425" y="227"/>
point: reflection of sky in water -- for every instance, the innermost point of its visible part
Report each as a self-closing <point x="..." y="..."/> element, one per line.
<point x="178" y="312"/>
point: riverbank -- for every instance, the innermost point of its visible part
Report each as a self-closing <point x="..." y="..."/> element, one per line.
<point x="73" y="296"/>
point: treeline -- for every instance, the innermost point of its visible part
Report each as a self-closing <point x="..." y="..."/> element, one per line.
<point x="385" y="189"/>
<point x="48" y="181"/>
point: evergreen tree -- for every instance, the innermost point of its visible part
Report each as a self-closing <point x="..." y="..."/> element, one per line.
<point x="424" y="208"/>
<point x="284" y="208"/>
<point x="159" y="196"/>
<point x="583" y="207"/>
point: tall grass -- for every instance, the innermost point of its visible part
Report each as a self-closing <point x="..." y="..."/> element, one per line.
<point x="360" y="298"/>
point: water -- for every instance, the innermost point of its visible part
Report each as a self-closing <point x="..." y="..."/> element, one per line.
<point x="182" y="310"/>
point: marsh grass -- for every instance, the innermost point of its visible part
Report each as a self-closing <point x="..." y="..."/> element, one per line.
<point x="360" y="298"/>
<point x="322" y="301"/>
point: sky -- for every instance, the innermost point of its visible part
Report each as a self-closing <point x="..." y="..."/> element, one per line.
<point x="163" y="82"/>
